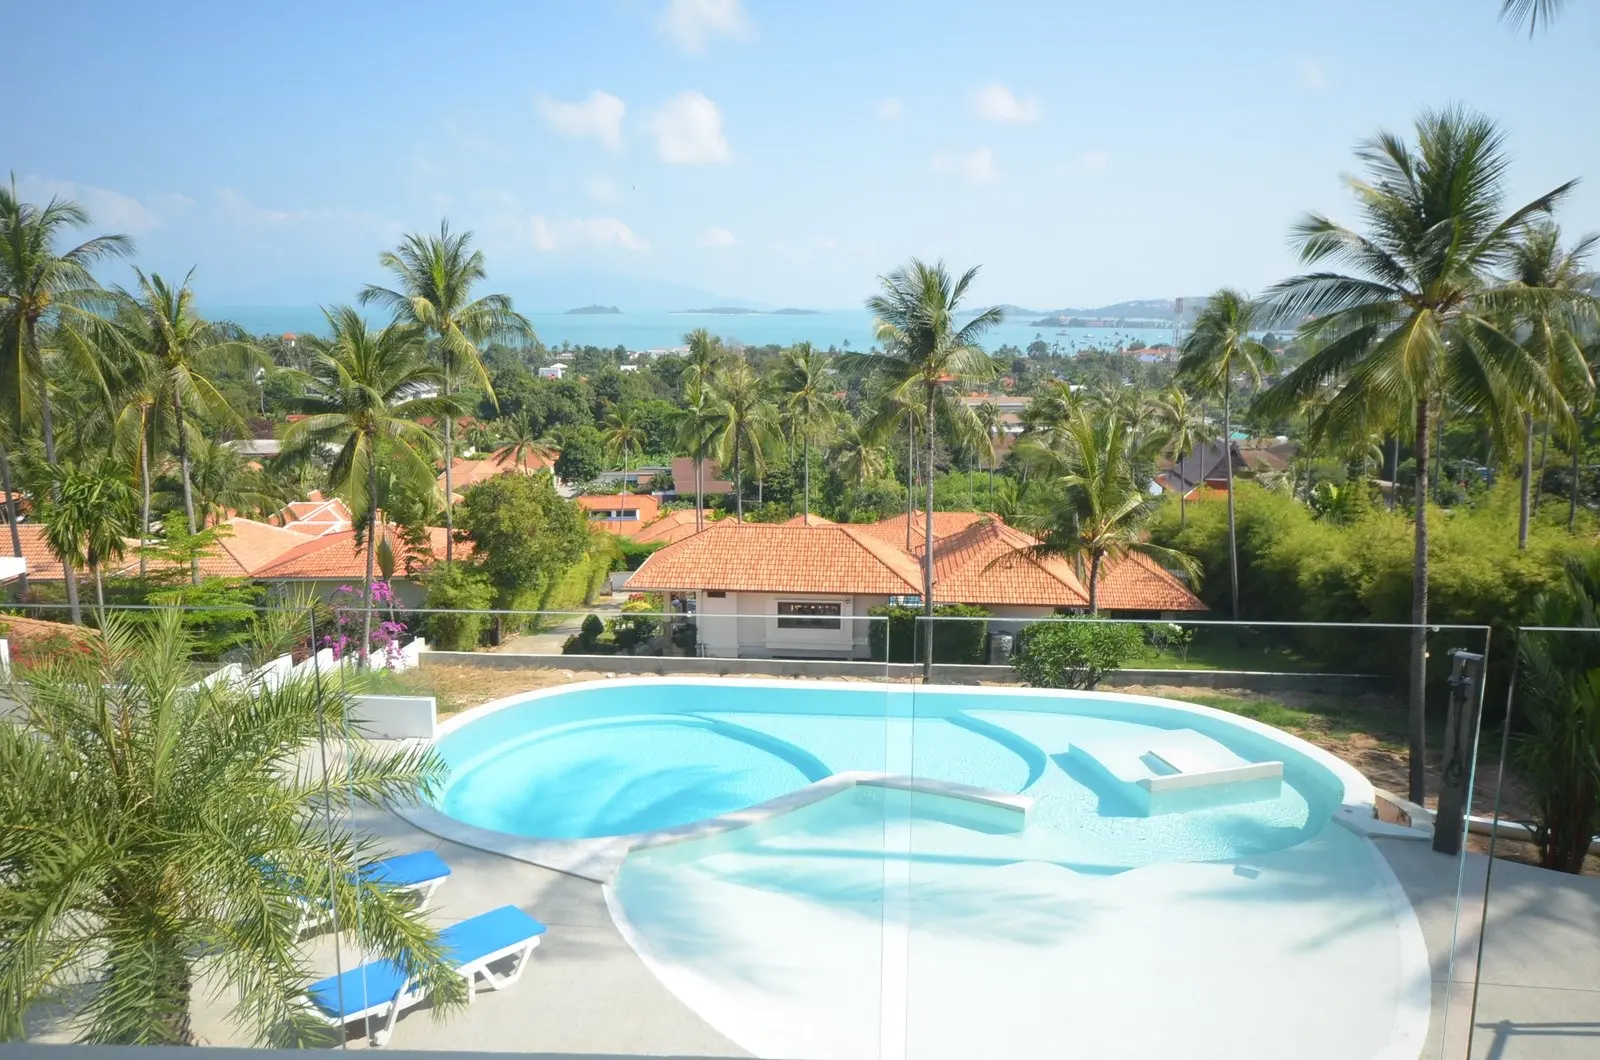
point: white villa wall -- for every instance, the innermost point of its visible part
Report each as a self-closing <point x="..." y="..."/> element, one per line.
<point x="745" y="625"/>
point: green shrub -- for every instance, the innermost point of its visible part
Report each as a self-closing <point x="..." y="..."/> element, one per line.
<point x="587" y="640"/>
<point x="1075" y="653"/>
<point x="953" y="642"/>
<point x="456" y="586"/>
<point x="636" y="625"/>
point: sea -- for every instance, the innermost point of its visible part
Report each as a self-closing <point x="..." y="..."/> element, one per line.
<point x="842" y="329"/>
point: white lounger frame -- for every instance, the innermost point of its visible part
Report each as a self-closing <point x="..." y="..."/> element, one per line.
<point x="312" y="914"/>
<point x="410" y="994"/>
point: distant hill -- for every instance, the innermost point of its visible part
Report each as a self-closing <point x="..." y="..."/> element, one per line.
<point x="1140" y="309"/>
<point x="794" y="312"/>
<point x="594" y="310"/>
<point x="1012" y="312"/>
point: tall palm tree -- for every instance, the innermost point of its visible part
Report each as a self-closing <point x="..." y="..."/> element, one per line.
<point x="434" y="276"/>
<point x="88" y="520"/>
<point x="13" y="503"/>
<point x="990" y="419"/>
<point x="1097" y="508"/>
<point x="156" y="829"/>
<point x="858" y="457"/>
<point x="224" y="482"/>
<point x="805" y="378"/>
<point x="1417" y="320"/>
<point x="1217" y="349"/>
<point x="359" y="405"/>
<point x="159" y="324"/>
<point x="745" y="422"/>
<point x="41" y="289"/>
<point x="518" y="439"/>
<point x="623" y="435"/>
<point x="697" y="424"/>
<point x="706" y="355"/>
<point x="1552" y="334"/>
<point x="928" y="359"/>
<point x="1184" y="428"/>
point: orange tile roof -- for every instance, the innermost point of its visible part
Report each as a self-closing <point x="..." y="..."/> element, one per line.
<point x="808" y="520"/>
<point x="944" y="524"/>
<point x="34" y="549"/>
<point x="674" y="526"/>
<point x="763" y="557"/>
<point x="1139" y="583"/>
<point x="315" y="515"/>
<point x="985" y="564"/>
<point x="980" y="564"/>
<point x="337" y="556"/>
<point x="466" y="471"/>
<point x="647" y="506"/>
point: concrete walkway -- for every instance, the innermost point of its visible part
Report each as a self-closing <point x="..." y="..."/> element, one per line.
<point x="1540" y="993"/>
<point x="584" y="992"/>
<point x="549" y="640"/>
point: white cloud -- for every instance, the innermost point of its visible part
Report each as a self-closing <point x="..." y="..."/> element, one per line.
<point x="688" y="131"/>
<point x="109" y="211"/>
<point x="996" y="102"/>
<point x="236" y="207"/>
<point x="692" y="23"/>
<point x="976" y="167"/>
<point x="716" y="236"/>
<point x="582" y="233"/>
<point x="1311" y="75"/>
<point x="599" y="117"/>
<point x="600" y="188"/>
<point x="889" y="109"/>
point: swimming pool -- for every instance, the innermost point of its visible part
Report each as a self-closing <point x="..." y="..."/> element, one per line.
<point x="873" y="921"/>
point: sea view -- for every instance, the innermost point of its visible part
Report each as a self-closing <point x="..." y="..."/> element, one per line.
<point x="658" y="329"/>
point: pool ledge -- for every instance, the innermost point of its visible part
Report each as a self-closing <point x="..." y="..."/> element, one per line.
<point x="601" y="859"/>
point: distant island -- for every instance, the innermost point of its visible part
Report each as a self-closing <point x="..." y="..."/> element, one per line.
<point x="593" y="310"/>
<point x="740" y="311"/>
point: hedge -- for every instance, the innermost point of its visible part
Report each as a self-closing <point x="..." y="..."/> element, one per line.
<point x="953" y="642"/>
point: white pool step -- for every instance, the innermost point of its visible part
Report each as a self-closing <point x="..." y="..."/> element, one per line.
<point x="1177" y="769"/>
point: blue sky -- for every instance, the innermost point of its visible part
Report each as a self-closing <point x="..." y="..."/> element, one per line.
<point x="775" y="151"/>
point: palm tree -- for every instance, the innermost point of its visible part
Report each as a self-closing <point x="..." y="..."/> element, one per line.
<point x="155" y="829"/>
<point x="1552" y="336"/>
<point x="89" y="519"/>
<point x="1218" y="348"/>
<point x="744" y="422"/>
<point x="12" y="502"/>
<point x="359" y="402"/>
<point x="224" y="482"/>
<point x="1097" y="508"/>
<point x="39" y="286"/>
<point x="434" y="277"/>
<point x="519" y="438"/>
<point x="990" y="419"/>
<point x="160" y="325"/>
<point x="623" y="435"/>
<point x="805" y="378"/>
<point x="858" y="458"/>
<point x="706" y="355"/>
<point x="1184" y="428"/>
<point x="927" y="358"/>
<point x="694" y="425"/>
<point x="1531" y="12"/>
<point x="1416" y="323"/>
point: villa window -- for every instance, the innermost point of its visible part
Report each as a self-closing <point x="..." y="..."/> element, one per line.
<point x="804" y="614"/>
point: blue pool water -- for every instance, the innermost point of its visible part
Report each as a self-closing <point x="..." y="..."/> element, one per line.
<point x="628" y="757"/>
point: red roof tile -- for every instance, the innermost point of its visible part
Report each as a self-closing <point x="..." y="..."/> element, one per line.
<point x="986" y="564"/>
<point x="762" y="557"/>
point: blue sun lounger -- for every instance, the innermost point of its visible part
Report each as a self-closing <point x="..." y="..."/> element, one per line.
<point x="422" y="873"/>
<point x="380" y="990"/>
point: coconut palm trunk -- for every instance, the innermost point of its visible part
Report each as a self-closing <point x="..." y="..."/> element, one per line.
<point x="188" y="487"/>
<point x="699" y="492"/>
<point x="1527" y="481"/>
<point x="1418" y="718"/>
<point x="47" y="422"/>
<point x="1227" y="460"/>
<point x="449" y="476"/>
<point x="911" y="470"/>
<point x="927" y="557"/>
<point x="1094" y="585"/>
<point x="1572" y="490"/>
<point x="1394" y="470"/>
<point x="372" y="550"/>
<point x="1544" y="457"/>
<point x="11" y="514"/>
<point x="144" y="493"/>
<point x="805" y="455"/>
<point x="738" y="480"/>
